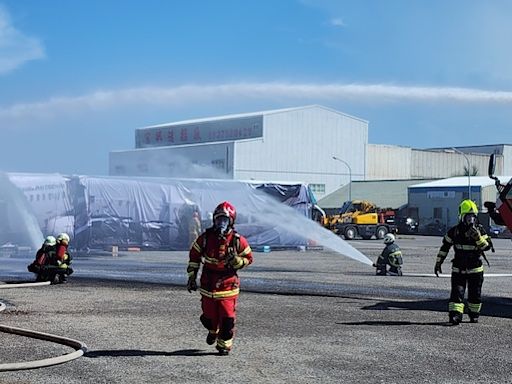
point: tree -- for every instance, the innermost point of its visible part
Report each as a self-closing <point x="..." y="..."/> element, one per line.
<point x="470" y="172"/>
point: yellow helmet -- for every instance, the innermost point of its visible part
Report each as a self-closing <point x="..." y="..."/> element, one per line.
<point x="467" y="206"/>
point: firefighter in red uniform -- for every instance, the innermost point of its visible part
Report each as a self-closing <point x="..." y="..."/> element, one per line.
<point x="223" y="252"/>
<point x="62" y="258"/>
<point x="44" y="255"/>
<point x="469" y="241"/>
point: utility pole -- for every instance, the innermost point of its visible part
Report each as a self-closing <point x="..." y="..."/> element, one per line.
<point x="349" y="175"/>
<point x="469" y="170"/>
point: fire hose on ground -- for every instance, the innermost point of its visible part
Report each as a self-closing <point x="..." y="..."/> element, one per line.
<point x="80" y="348"/>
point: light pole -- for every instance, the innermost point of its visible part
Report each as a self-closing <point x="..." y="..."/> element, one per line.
<point x="349" y="175"/>
<point x="469" y="171"/>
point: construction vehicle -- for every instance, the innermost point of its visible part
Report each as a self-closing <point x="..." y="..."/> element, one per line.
<point x="361" y="218"/>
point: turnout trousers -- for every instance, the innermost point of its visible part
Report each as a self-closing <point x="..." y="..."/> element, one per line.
<point x="474" y="282"/>
<point x="219" y="317"/>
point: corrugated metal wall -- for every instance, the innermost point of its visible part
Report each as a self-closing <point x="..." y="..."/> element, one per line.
<point x="436" y="165"/>
<point x="298" y="146"/>
<point x="388" y="162"/>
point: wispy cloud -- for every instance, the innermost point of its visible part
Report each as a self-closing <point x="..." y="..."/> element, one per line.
<point x="16" y="48"/>
<point x="337" y="22"/>
<point x="311" y="93"/>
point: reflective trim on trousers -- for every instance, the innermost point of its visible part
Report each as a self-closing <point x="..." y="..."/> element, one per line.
<point x="468" y="271"/>
<point x="219" y="295"/>
<point x="456" y="307"/>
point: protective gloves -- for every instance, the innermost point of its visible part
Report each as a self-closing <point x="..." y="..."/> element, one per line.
<point x="235" y="262"/>
<point x="437" y="269"/>
<point x="192" y="284"/>
<point x="473" y="233"/>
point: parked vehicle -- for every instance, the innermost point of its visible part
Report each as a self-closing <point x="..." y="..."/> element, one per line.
<point x="361" y="218"/>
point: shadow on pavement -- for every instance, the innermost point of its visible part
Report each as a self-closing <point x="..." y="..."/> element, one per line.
<point x="391" y="323"/>
<point x="491" y="306"/>
<point x="139" y="352"/>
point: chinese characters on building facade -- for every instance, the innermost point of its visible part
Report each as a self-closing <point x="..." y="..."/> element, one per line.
<point x="210" y="131"/>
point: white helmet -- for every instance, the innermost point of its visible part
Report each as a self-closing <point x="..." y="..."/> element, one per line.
<point x="63" y="236"/>
<point x="49" y="241"/>
<point x="389" y="238"/>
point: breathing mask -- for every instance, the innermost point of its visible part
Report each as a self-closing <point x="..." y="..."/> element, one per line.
<point x="470" y="219"/>
<point x="222" y="225"/>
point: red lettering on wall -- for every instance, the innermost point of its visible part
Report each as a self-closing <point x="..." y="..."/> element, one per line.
<point x="170" y="136"/>
<point x="183" y="134"/>
<point x="197" y="134"/>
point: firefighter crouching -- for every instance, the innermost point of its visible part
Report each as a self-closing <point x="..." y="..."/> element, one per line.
<point x="52" y="260"/>
<point x="223" y="252"/>
<point x="62" y="258"/>
<point x="469" y="241"/>
<point x="44" y="255"/>
<point x="391" y="255"/>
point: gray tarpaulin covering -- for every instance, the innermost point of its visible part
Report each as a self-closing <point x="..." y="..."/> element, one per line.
<point x="154" y="213"/>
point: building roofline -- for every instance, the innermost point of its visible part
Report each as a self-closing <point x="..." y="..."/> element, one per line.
<point x="250" y="114"/>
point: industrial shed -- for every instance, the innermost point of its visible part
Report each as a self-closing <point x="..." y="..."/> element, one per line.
<point x="436" y="203"/>
<point x="383" y="193"/>
<point x="284" y="144"/>
<point x="398" y="162"/>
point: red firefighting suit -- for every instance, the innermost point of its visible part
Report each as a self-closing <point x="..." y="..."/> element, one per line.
<point x="41" y="265"/>
<point x="467" y="269"/>
<point x="219" y="283"/>
<point x="62" y="260"/>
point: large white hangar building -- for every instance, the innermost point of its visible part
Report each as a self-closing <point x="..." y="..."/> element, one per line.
<point x="292" y="145"/>
<point x="285" y="145"/>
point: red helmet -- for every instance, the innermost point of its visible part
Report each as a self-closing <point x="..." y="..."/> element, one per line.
<point x="225" y="209"/>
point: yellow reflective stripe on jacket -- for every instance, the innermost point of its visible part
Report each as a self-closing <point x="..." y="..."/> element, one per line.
<point x="448" y="239"/>
<point x="456" y="307"/>
<point x="246" y="251"/>
<point x="468" y="271"/>
<point x="397" y="253"/>
<point x="219" y="295"/>
<point x="192" y="268"/>
<point x="212" y="260"/>
<point x="466" y="247"/>
<point x="197" y="247"/>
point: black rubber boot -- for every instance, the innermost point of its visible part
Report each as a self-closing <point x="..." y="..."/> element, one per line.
<point x="211" y="338"/>
<point x="455" y="318"/>
<point x="222" y="351"/>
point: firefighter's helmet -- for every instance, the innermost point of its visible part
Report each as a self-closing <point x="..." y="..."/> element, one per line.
<point x="225" y="209"/>
<point x="63" y="237"/>
<point x="467" y="206"/>
<point x="389" y="238"/>
<point x="49" y="241"/>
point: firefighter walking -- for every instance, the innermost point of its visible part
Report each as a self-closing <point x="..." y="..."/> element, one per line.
<point x="469" y="241"/>
<point x="223" y="252"/>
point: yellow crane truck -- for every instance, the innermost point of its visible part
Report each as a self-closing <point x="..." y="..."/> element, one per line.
<point x="361" y="218"/>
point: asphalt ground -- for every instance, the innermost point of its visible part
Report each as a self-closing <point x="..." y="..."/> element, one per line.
<point x="303" y="317"/>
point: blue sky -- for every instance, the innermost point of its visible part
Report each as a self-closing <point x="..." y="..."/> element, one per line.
<point x="78" y="77"/>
